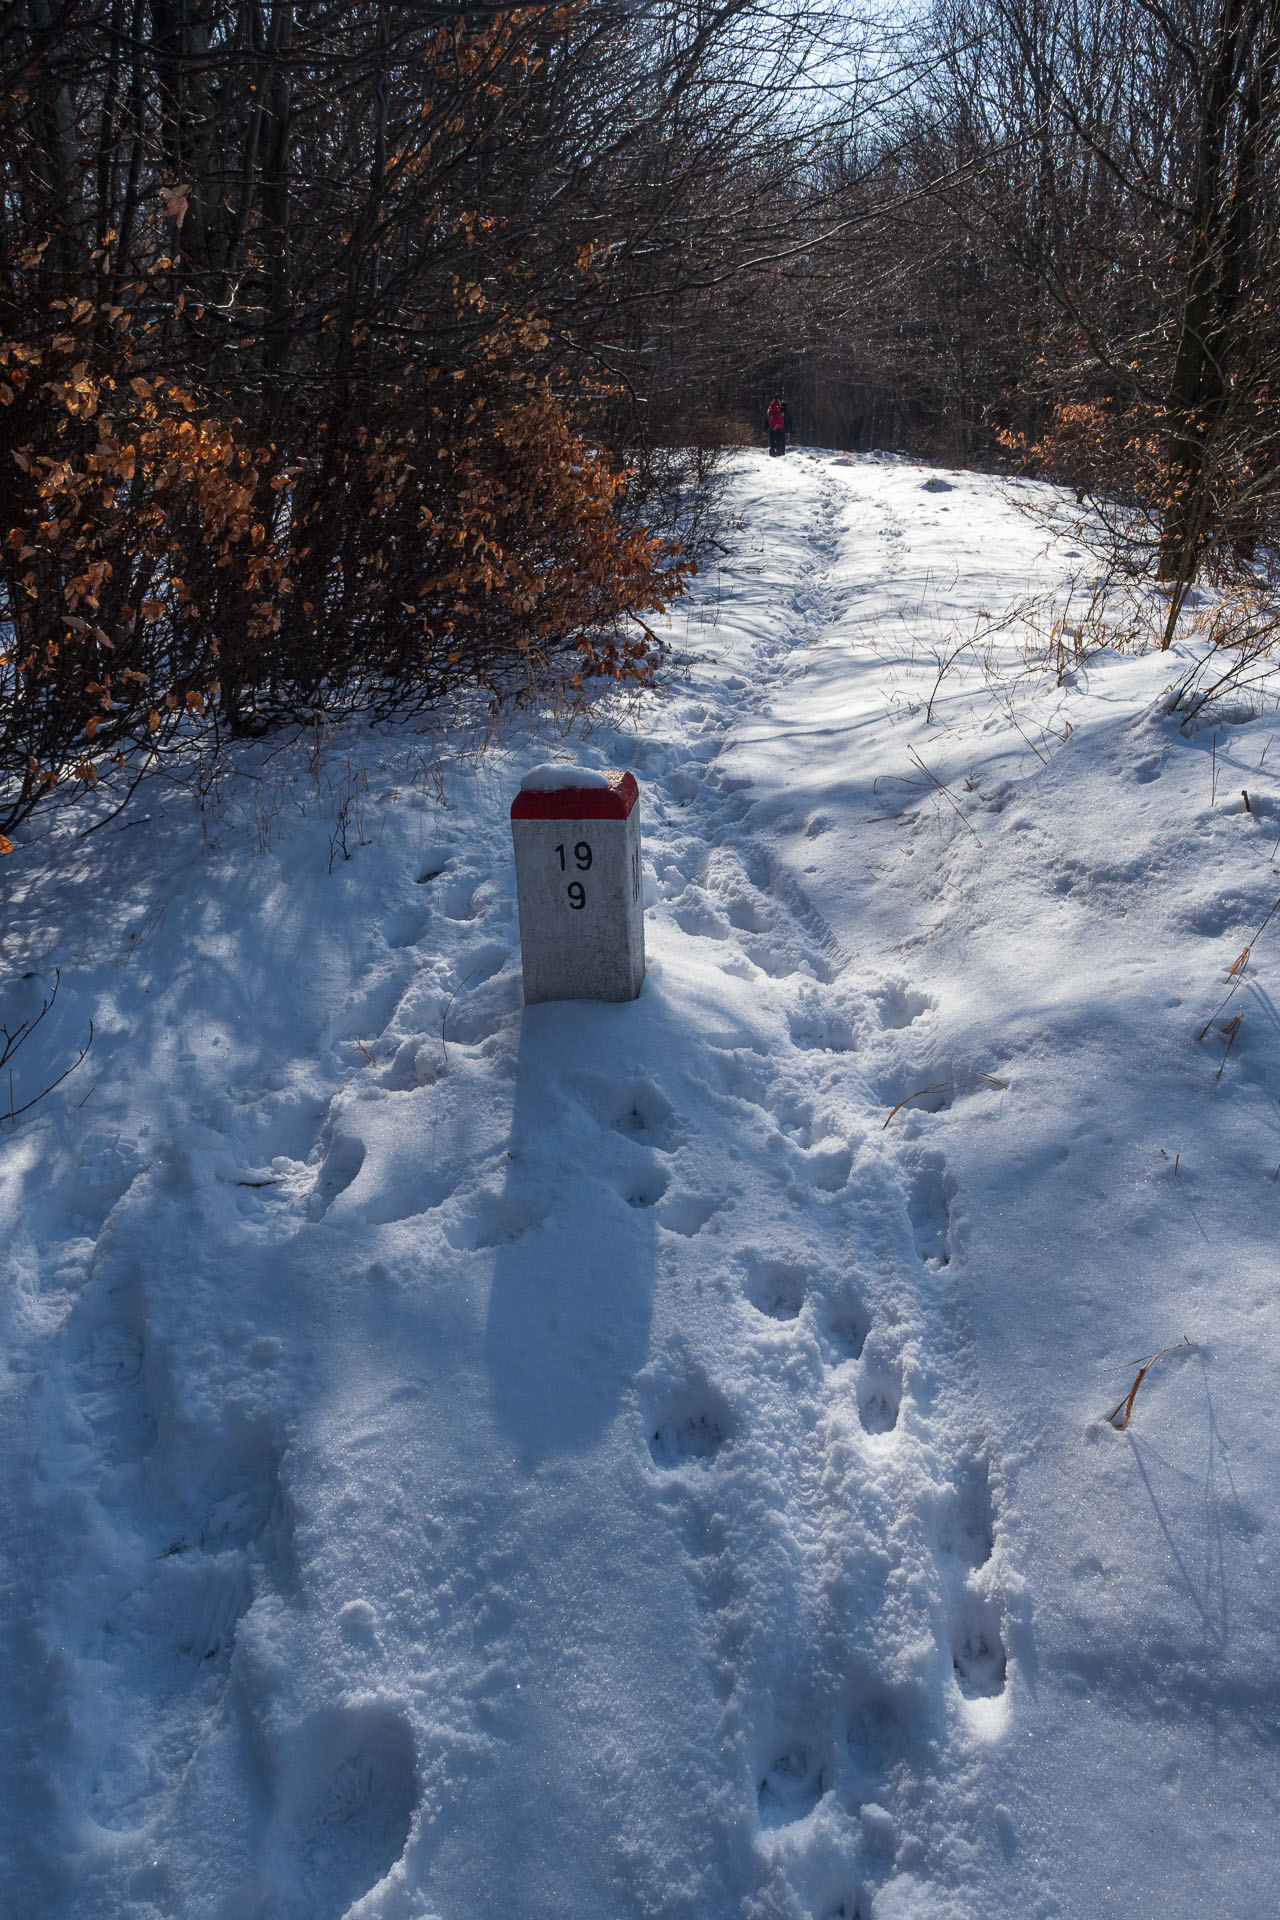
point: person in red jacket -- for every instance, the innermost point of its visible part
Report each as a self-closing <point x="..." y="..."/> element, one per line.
<point x="776" y="420"/>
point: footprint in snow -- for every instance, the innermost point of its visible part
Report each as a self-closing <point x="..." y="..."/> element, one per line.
<point x="901" y="1006"/>
<point x="347" y="1797"/>
<point x="405" y="929"/>
<point x="782" y="963"/>
<point x="817" y="1029"/>
<point x="174" y="1631"/>
<point x="930" y="1195"/>
<point x="847" y="1324"/>
<point x="338" y="1171"/>
<point x="634" y="1108"/>
<point x="793" y="1783"/>
<point x="879" y="1395"/>
<point x="796" y="1118"/>
<point x="977" y="1649"/>
<point x="966" y="1516"/>
<point x="700" y="920"/>
<point x="687" y="1213"/>
<point x="458" y="899"/>
<point x="491" y="1220"/>
<point x="683" y="785"/>
<point x="855" y="1905"/>
<point x="691" y="1428"/>
<point x="749" y="915"/>
<point x="775" y="1288"/>
<point x="643" y="1187"/>
<point x="828" y="1168"/>
<point x="879" y="1733"/>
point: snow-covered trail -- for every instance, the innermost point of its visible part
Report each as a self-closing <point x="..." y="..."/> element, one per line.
<point x="465" y="1460"/>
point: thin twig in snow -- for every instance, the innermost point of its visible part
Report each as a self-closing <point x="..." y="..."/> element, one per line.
<point x="945" y="792"/>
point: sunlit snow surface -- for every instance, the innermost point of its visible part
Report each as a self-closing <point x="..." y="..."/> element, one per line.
<point x="582" y="1463"/>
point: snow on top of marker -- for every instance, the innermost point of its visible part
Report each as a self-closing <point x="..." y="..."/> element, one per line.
<point x="553" y="775"/>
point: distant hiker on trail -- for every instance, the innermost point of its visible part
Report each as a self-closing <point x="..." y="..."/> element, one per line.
<point x="776" y="420"/>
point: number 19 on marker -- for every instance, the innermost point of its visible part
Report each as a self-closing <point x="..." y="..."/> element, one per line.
<point x="581" y="858"/>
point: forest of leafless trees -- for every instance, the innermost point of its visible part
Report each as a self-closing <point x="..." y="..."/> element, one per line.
<point x="351" y="355"/>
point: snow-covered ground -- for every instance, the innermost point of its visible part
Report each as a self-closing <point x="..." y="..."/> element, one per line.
<point x="602" y="1461"/>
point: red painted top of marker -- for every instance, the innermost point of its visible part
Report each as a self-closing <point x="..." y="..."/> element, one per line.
<point x="560" y="792"/>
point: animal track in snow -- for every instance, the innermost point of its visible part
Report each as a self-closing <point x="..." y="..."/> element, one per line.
<point x="480" y="965"/>
<point x="879" y="1731"/>
<point x="793" y="1783"/>
<point x="643" y="1187"/>
<point x="966" y="1520"/>
<point x="1231" y="908"/>
<point x="879" y="1395"/>
<point x="900" y="1006"/>
<point x="691" y="1428"/>
<point x="483" y="997"/>
<point x="405" y="929"/>
<point x="633" y="1108"/>
<point x="847" y="1325"/>
<point x="687" y="1213"/>
<point x="774" y="1287"/>
<point x="930" y="1195"/>
<point x="795" y="1117"/>
<point x="491" y="1220"/>
<point x="828" y="1168"/>
<point x="817" y="1028"/>
<point x="458" y="899"/>
<point x="743" y="1075"/>
<point x="854" y="1906"/>
<point x="348" y="1796"/>
<point x="416" y="1063"/>
<point x="977" y="1649"/>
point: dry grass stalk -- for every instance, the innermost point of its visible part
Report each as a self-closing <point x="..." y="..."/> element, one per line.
<point x="1231" y="1029"/>
<point x="1120" y="1413"/>
<point x="940" y="1086"/>
<point x="1235" y="974"/>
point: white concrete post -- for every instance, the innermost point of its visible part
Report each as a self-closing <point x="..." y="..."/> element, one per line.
<point x="577" y="843"/>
